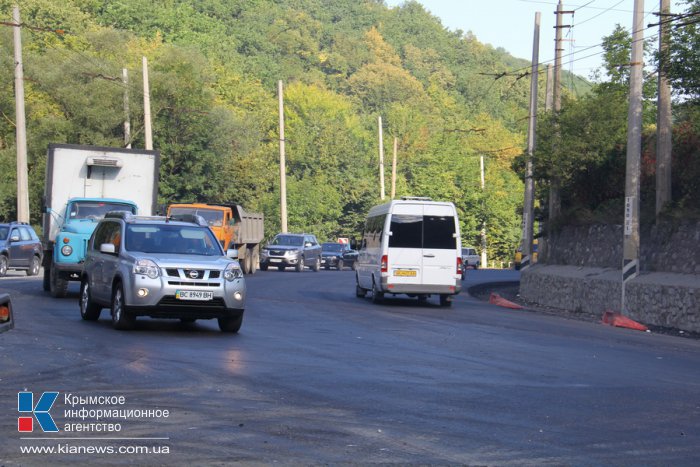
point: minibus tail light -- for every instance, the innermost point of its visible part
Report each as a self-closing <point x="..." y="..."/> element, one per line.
<point x="385" y="263"/>
<point x="459" y="265"/>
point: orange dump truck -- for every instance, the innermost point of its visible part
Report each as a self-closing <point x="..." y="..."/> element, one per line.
<point x="233" y="226"/>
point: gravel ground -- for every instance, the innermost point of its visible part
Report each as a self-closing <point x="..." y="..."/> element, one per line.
<point x="511" y="291"/>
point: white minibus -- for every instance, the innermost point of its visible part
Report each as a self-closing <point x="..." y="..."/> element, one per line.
<point x="411" y="246"/>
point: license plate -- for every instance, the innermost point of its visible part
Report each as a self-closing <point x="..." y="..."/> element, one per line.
<point x="405" y="272"/>
<point x="273" y="260"/>
<point x="193" y="295"/>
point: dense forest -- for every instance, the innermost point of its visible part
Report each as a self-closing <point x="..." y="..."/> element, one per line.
<point x="214" y="65"/>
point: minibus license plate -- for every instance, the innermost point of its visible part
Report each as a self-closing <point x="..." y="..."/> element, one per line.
<point x="405" y="272"/>
<point x="193" y="295"/>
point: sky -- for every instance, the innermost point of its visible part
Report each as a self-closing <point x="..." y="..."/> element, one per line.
<point x="510" y="24"/>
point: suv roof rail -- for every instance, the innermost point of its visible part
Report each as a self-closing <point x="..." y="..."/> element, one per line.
<point x="193" y="218"/>
<point x="118" y="215"/>
<point x="416" y="198"/>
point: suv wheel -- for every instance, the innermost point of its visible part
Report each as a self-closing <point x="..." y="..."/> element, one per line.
<point x="231" y="324"/>
<point x="89" y="310"/>
<point x="3" y="265"/>
<point x="317" y="265"/>
<point x="58" y="286"/>
<point x="300" y="264"/>
<point x="341" y="265"/>
<point x="34" y="266"/>
<point x="121" y="319"/>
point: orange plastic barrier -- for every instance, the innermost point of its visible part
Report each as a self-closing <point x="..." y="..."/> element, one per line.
<point x="496" y="299"/>
<point x="620" y="321"/>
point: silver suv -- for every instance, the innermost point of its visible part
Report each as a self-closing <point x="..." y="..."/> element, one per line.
<point x="158" y="267"/>
<point x="291" y="250"/>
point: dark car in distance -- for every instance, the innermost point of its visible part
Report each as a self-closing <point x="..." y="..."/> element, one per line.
<point x="338" y="255"/>
<point x="20" y="248"/>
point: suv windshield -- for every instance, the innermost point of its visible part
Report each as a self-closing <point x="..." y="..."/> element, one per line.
<point x="168" y="238"/>
<point x="334" y="247"/>
<point x="288" y="240"/>
<point x="96" y="210"/>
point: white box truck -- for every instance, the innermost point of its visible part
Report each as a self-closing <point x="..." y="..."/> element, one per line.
<point x="83" y="183"/>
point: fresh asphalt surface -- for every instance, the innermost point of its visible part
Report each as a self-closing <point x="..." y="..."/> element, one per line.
<point x="318" y="376"/>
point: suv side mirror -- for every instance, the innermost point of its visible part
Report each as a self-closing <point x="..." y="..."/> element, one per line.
<point x="308" y="245"/>
<point x="232" y="253"/>
<point x="108" y="248"/>
<point x="14" y="238"/>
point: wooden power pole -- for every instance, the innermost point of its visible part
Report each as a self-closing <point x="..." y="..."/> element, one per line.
<point x="664" y="135"/>
<point x="283" y="162"/>
<point x="148" y="131"/>
<point x="20" y="124"/>
<point x="529" y="204"/>
<point x="381" y="158"/>
<point x="630" y="245"/>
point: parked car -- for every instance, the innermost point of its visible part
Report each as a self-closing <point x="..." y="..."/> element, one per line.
<point x="470" y="258"/>
<point x="291" y="250"/>
<point x="157" y="267"/>
<point x="338" y="255"/>
<point x="20" y="248"/>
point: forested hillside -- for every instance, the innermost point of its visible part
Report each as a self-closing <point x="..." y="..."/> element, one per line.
<point x="214" y="67"/>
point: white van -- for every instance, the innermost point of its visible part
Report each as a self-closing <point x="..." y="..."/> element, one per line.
<point x="412" y="247"/>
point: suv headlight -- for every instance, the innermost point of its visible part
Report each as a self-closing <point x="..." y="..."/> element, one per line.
<point x="291" y="253"/>
<point x="233" y="271"/>
<point x="147" y="267"/>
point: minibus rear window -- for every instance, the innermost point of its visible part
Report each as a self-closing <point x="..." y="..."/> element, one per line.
<point x="406" y="231"/>
<point x="439" y="232"/>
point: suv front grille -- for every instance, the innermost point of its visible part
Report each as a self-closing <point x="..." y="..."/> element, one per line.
<point x="276" y="252"/>
<point x="193" y="274"/>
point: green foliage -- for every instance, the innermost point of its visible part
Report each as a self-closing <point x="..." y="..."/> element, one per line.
<point x="214" y="67"/>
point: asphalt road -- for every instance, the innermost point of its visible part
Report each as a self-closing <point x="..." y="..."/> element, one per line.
<point x="318" y="376"/>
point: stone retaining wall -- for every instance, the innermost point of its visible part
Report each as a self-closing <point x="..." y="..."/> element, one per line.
<point x="672" y="246"/>
<point x="579" y="269"/>
<point x="661" y="299"/>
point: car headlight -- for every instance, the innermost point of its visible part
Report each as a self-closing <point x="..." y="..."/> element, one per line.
<point x="147" y="267"/>
<point x="67" y="250"/>
<point x="291" y="253"/>
<point x="233" y="271"/>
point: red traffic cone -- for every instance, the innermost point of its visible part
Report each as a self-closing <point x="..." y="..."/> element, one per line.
<point x="496" y="299"/>
<point x="620" y="321"/>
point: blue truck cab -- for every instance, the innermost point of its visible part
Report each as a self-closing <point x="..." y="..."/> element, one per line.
<point x="64" y="259"/>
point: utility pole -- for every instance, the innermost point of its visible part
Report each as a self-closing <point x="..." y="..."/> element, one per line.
<point x="529" y="204"/>
<point x="381" y="157"/>
<point x="148" y="132"/>
<point x="393" y="168"/>
<point x="484" y="257"/>
<point x="555" y="182"/>
<point x="630" y="245"/>
<point x="127" y="123"/>
<point x="549" y="98"/>
<point x="20" y="122"/>
<point x="283" y="162"/>
<point x="664" y="132"/>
